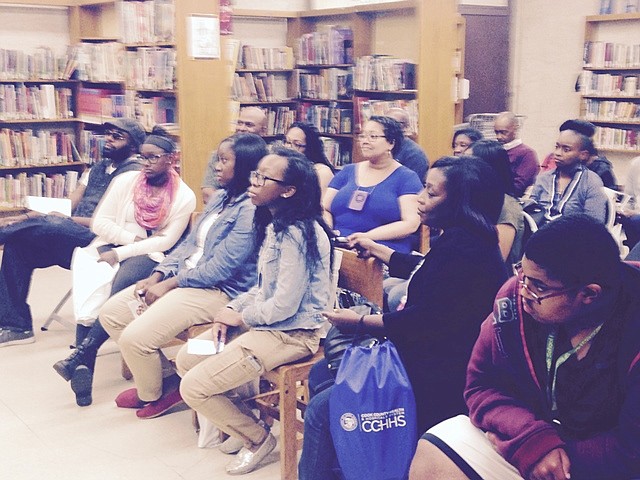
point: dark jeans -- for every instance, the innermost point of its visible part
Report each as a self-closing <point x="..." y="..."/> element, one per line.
<point x="631" y="227"/>
<point x="318" y="460"/>
<point x="45" y="242"/>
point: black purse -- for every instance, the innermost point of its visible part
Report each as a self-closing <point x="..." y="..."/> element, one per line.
<point x="336" y="342"/>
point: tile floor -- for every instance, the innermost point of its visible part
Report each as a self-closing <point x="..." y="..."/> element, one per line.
<point x="44" y="435"/>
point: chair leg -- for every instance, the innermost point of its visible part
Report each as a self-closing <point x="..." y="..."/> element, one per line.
<point x="54" y="315"/>
<point x="288" y="429"/>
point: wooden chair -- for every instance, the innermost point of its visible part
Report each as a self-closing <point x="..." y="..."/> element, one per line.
<point x="287" y="399"/>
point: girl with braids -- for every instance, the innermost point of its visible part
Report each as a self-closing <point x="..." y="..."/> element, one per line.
<point x="142" y="215"/>
<point x="281" y="316"/>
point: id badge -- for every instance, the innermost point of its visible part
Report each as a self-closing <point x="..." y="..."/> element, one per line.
<point x="358" y="199"/>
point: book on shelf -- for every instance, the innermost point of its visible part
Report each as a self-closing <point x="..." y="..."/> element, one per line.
<point x="16" y="189"/>
<point x="364" y="108"/>
<point x="617" y="139"/>
<point x="279" y="119"/>
<point x="43" y="64"/>
<point x="330" y="119"/>
<point x="150" y="68"/>
<point x="604" y="84"/>
<point x="151" y="111"/>
<point x="22" y="148"/>
<point x="603" y="110"/>
<point x="330" y="45"/>
<point x="101" y="62"/>
<point x="327" y="84"/>
<point x="21" y="102"/>
<point x="338" y="152"/>
<point x="598" y="54"/>
<point x="147" y="21"/>
<point x="619" y="6"/>
<point x="384" y="73"/>
<point x="266" y="58"/>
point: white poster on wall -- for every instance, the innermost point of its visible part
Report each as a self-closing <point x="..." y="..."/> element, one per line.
<point x="203" y="34"/>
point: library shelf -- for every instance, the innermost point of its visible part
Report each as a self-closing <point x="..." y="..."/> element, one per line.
<point x="267" y="103"/>
<point x="613" y="17"/>
<point x="258" y="70"/>
<point x="28" y="121"/>
<point x="321" y="66"/>
<point x="613" y="122"/>
<point x="612" y="69"/>
<point x="627" y="151"/>
<point x="612" y="96"/>
<point x="48" y="166"/>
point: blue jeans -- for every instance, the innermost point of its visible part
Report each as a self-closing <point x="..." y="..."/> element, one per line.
<point x="46" y="241"/>
<point x="318" y="460"/>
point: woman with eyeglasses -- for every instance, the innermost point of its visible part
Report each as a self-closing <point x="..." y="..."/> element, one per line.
<point x="375" y="198"/>
<point x="213" y="264"/>
<point x="304" y="138"/>
<point x="281" y="316"/>
<point x="451" y="291"/>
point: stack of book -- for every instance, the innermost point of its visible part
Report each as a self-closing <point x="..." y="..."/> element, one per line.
<point x="146" y="22"/>
<point x="330" y="45"/>
<point x="330" y="119"/>
<point x="327" y="84"/>
<point x="21" y="102"/>
<point x="617" y="139"/>
<point x="261" y="58"/>
<point x="384" y="73"/>
<point x="150" y="68"/>
<point x="364" y="108"/>
<point x="20" y="148"/>
<point x="611" y="55"/>
<point x="42" y="64"/>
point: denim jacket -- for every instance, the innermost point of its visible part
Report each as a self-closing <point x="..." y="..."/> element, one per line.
<point x="287" y="296"/>
<point x="229" y="258"/>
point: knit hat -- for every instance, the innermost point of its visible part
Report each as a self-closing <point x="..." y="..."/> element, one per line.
<point x="129" y="125"/>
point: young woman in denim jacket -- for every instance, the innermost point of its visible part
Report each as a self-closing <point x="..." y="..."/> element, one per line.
<point x="215" y="263"/>
<point x="281" y="314"/>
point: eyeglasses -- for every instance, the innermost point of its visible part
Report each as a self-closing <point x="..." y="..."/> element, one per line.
<point x="152" y="159"/>
<point x="258" y="179"/>
<point x="538" y="297"/>
<point x="369" y="136"/>
<point x="294" y="145"/>
<point x="115" y="134"/>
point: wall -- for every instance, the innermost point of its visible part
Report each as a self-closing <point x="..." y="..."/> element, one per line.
<point x="19" y="23"/>
<point x="546" y="58"/>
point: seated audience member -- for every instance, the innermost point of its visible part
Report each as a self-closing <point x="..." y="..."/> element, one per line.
<point x="630" y="215"/>
<point x="304" y="138"/>
<point x="280" y="317"/>
<point x="450" y="292"/>
<point x="376" y="198"/>
<point x="410" y="154"/>
<point x="142" y="215"/>
<point x="571" y="187"/>
<point x="511" y="222"/>
<point x="596" y="163"/>
<point x="463" y="139"/>
<point x="34" y="241"/>
<point x="553" y="380"/>
<point x="250" y="120"/>
<point x="523" y="160"/>
<point x="214" y="264"/>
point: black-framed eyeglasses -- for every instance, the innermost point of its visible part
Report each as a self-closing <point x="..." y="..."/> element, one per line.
<point x="152" y="159"/>
<point x="295" y="145"/>
<point x="115" y="134"/>
<point x="538" y="297"/>
<point x="258" y="179"/>
<point x="369" y="136"/>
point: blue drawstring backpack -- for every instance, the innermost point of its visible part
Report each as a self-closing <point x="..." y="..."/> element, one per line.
<point x="372" y="414"/>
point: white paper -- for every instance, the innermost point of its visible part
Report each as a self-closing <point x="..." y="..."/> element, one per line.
<point x="199" y="346"/>
<point x="47" y="205"/>
<point x="204" y="36"/>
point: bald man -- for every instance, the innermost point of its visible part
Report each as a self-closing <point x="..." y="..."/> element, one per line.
<point x="524" y="161"/>
<point x="410" y="154"/>
<point x="250" y="120"/>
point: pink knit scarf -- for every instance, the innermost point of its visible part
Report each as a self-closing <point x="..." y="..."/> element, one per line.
<point x="150" y="211"/>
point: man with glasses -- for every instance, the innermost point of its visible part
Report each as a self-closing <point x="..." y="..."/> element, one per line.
<point x="553" y="384"/>
<point x="250" y="120"/>
<point x="40" y="241"/>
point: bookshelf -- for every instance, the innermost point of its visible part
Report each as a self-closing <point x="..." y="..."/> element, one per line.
<point x="610" y="82"/>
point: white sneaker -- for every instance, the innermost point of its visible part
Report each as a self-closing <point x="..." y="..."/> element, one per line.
<point x="231" y="445"/>
<point x="246" y="461"/>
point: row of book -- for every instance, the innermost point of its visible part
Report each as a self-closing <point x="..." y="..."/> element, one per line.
<point x="609" y="110"/>
<point x="21" y="148"/>
<point x="337" y="151"/>
<point x="100" y="62"/>
<point x="326" y="84"/>
<point x="385" y="73"/>
<point x="21" y="102"/>
<point x="619" y="6"/>
<point x="617" y="138"/>
<point x="261" y="58"/>
<point x="147" y="22"/>
<point x="364" y="108"/>
<point x="607" y="84"/>
<point x="259" y="87"/>
<point x="331" y="118"/>
<point x="611" y="55"/>
<point x="279" y="119"/>
<point x="42" y="64"/>
<point x="96" y="105"/>
<point x="151" y="68"/>
<point x="90" y="145"/>
<point x="330" y="45"/>
<point x="14" y="188"/>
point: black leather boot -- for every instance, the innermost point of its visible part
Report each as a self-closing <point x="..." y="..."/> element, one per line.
<point x="81" y="334"/>
<point x="85" y="354"/>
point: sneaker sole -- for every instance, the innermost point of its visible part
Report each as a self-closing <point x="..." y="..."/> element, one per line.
<point x="81" y="383"/>
<point x="21" y="341"/>
<point x="157" y="414"/>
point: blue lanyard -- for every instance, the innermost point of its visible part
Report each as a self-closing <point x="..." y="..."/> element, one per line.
<point x="551" y="340"/>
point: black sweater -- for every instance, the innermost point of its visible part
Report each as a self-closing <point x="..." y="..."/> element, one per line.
<point x="448" y="298"/>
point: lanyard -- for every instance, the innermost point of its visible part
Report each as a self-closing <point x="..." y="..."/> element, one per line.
<point x="551" y="340"/>
<point x="565" y="197"/>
